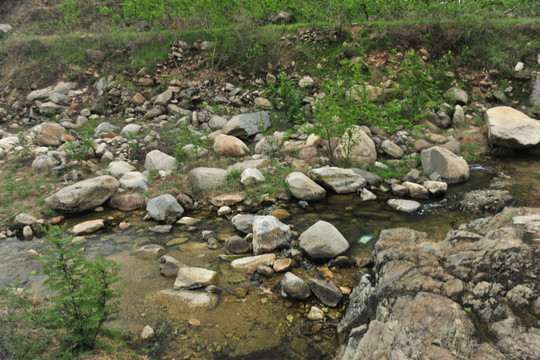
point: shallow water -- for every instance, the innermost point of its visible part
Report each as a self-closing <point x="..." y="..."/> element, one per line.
<point x="252" y="320"/>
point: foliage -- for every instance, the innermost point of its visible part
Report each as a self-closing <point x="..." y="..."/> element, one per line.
<point x="287" y="97"/>
<point x="71" y="12"/>
<point x="83" y="148"/>
<point x="83" y="294"/>
<point x="396" y="169"/>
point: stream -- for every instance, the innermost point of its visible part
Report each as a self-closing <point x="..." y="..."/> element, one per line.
<point x="252" y="320"/>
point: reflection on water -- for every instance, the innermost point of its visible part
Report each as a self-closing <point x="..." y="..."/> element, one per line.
<point x="252" y="320"/>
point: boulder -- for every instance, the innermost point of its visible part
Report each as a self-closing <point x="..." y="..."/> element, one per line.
<point x="105" y="127"/>
<point x="84" y="195"/>
<point x="269" y="234"/>
<point x="236" y="245"/>
<point x="294" y="287"/>
<point x="459" y="96"/>
<point x="247" y="124"/>
<point x="164" y="98"/>
<point x="391" y="149"/>
<point x="193" y="278"/>
<point x="435" y="188"/>
<point x="358" y="148"/>
<point x="50" y="134"/>
<point x="157" y="160"/>
<point x="251" y="176"/>
<point x="204" y="179"/>
<point x="487" y="200"/>
<point x="119" y="168"/>
<point x="341" y="181"/>
<point x="372" y="179"/>
<point x="327" y="293"/>
<point x="130" y="130"/>
<point x="135" y="180"/>
<point x="45" y="162"/>
<point x="128" y="201"/>
<point x="22" y="220"/>
<point x="217" y="122"/>
<point x="448" y="165"/>
<point x="303" y="188"/>
<point x="164" y="208"/>
<point x="511" y="128"/>
<point x="243" y="222"/>
<point x="406" y="206"/>
<point x="230" y="146"/>
<point x="87" y="227"/>
<point x="323" y="241"/>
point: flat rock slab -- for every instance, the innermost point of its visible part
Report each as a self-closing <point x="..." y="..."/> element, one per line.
<point x="88" y="227"/>
<point x="340" y="181"/>
<point x="193" y="278"/>
<point x="246" y="262"/>
<point x="510" y="128"/>
<point x="406" y="206"/>
<point x="228" y="199"/>
<point x="151" y="251"/>
<point x="190" y="301"/>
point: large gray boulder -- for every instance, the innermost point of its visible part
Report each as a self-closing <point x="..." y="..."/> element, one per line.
<point x="294" y="287"/>
<point x="157" y="160"/>
<point x="84" y="195"/>
<point x="341" y="181"/>
<point x="510" y="128"/>
<point x="164" y="208"/>
<point x="323" y="241"/>
<point x="269" y="234"/>
<point x="303" y="188"/>
<point x="247" y="124"/>
<point x="448" y="165"/>
<point x="243" y="222"/>
<point x="204" y="179"/>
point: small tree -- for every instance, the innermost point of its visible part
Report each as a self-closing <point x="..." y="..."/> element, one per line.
<point x="83" y="291"/>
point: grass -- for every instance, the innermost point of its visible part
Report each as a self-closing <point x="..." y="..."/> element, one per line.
<point x="397" y="169"/>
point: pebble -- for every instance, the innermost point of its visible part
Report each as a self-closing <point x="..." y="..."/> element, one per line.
<point x="194" y="322"/>
<point x="147" y="332"/>
<point x="124" y="225"/>
<point x="57" y="220"/>
<point x="315" y="314"/>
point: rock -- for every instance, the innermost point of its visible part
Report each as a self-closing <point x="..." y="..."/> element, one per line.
<point x="128" y="201"/>
<point x="243" y="222"/>
<point x="160" y="229"/>
<point x="185" y="201"/>
<point x="84" y="195"/>
<point x="138" y="99"/>
<point x="27" y="232"/>
<point x="391" y="149"/>
<point x="50" y="134"/>
<point x="124" y="225"/>
<point x="119" y="168"/>
<point x="269" y="234"/>
<point x="22" y="220"/>
<point x="323" y="241"/>
<point x="422" y="144"/>
<point x="105" y="127"/>
<point x="60" y="99"/>
<point x="227" y="199"/>
<point x="511" y="128"/>
<point x="164" y="208"/>
<point x="262" y="103"/>
<point x="5" y="28"/>
<point x="367" y="195"/>
<point x="406" y="206"/>
<point x="251" y="176"/>
<point x="236" y="245"/>
<point x="399" y="190"/>
<point x="435" y="188"/>
<point x="246" y="262"/>
<point x="491" y="201"/>
<point x="157" y="160"/>
<point x="361" y="152"/>
<point x="45" y="162"/>
<point x="341" y="181"/>
<point x="135" y="180"/>
<point x="190" y="301"/>
<point x="535" y="93"/>
<point x="224" y="210"/>
<point x="416" y="191"/>
<point x="294" y="287"/>
<point x="327" y="293"/>
<point x="306" y="82"/>
<point x="230" y="146"/>
<point x="303" y="188"/>
<point x="190" y="278"/>
<point x="152" y="113"/>
<point x="49" y="108"/>
<point x="315" y="314"/>
<point x="459" y="96"/>
<point x="87" y="227"/>
<point x="204" y="179"/>
<point x="282" y="265"/>
<point x="147" y="333"/>
<point x="169" y="266"/>
<point x="130" y="130"/>
<point x="449" y="166"/>
<point x="217" y="122"/>
<point x="458" y="119"/>
<point x="372" y="179"/>
<point x="164" y="98"/>
<point x="265" y="270"/>
<point x="151" y="251"/>
<point x="247" y="124"/>
<point x="95" y="55"/>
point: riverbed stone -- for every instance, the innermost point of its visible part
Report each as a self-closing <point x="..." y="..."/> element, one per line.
<point x="416" y="191"/>
<point x="150" y="251"/>
<point x="205" y="179"/>
<point x="406" y="206"/>
<point x="362" y="151"/>
<point x="372" y="179"/>
<point x="230" y="146"/>
<point x="24" y="219"/>
<point x="169" y="266"/>
<point x="485" y="200"/>
<point x="282" y="265"/>
<point x="251" y="176"/>
<point x="50" y="134"/>
<point x="448" y="165"/>
<point x="119" y="168"/>
<point x="323" y="241"/>
<point x="325" y="291"/>
<point x="236" y="245"/>
<point x="510" y="128"/>
<point x="229" y="199"/>
<point x="435" y="188"/>
<point x="190" y="278"/>
<point x="246" y="262"/>
<point x="243" y="222"/>
<point x="341" y="181"/>
<point x="160" y="229"/>
<point x="392" y="149"/>
<point x="135" y="180"/>
<point x="294" y="287"/>
<point x="247" y="124"/>
<point x="27" y="232"/>
<point x="164" y="98"/>
<point x="269" y="234"/>
<point x="88" y="227"/>
<point x="157" y="160"/>
<point x="367" y="195"/>
<point x="303" y="188"/>
<point x="190" y="301"/>
<point x="45" y="162"/>
<point x="164" y="208"/>
<point x="128" y="201"/>
<point x="84" y="195"/>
